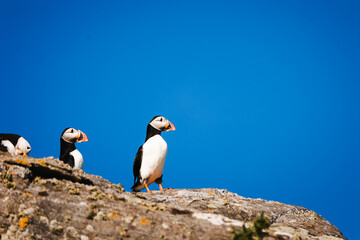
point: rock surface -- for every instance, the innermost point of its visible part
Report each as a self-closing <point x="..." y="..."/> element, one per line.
<point x="46" y="199"/>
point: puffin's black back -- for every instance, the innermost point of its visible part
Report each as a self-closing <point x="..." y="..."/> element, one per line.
<point x="151" y="131"/>
<point x="65" y="149"/>
<point x="136" y="168"/>
<point x="13" y="138"/>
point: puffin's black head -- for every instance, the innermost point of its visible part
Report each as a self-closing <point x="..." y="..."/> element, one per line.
<point x="72" y="135"/>
<point x="162" y="124"/>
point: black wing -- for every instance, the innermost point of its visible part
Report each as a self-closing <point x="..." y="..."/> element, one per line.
<point x="137" y="163"/>
<point x="68" y="159"/>
<point x="3" y="148"/>
<point x="13" y="138"/>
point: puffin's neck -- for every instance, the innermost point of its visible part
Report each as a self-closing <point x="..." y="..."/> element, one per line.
<point x="151" y="131"/>
<point x="66" y="147"/>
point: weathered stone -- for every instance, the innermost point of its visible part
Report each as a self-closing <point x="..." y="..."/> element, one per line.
<point x="44" y="220"/>
<point x="83" y="237"/>
<point x="72" y="232"/>
<point x="47" y="199"/>
<point x="89" y="228"/>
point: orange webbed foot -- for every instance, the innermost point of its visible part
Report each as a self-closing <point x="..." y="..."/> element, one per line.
<point x="166" y="189"/>
<point x="162" y="189"/>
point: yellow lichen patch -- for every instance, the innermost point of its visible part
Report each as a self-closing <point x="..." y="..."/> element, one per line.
<point x="123" y="231"/>
<point x="23" y="222"/>
<point x="120" y="187"/>
<point x="28" y="194"/>
<point x="7" y="179"/>
<point x="210" y="193"/>
<point x="23" y="162"/>
<point x="96" y="195"/>
<point x="39" y="180"/>
<point x="73" y="190"/>
<point x="110" y="196"/>
<point x="41" y="162"/>
<point x="113" y="215"/>
<point x="58" y="188"/>
<point x="144" y="221"/>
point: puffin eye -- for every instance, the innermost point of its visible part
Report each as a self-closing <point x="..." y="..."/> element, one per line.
<point x="161" y="119"/>
<point x="72" y="130"/>
<point x="28" y="147"/>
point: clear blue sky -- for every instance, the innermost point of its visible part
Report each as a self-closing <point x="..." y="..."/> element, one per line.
<point x="265" y="95"/>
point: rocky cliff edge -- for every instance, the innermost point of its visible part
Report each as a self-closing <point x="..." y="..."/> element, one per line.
<point x="46" y="199"/>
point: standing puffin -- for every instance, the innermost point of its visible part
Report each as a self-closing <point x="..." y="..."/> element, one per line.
<point x="150" y="158"/>
<point x="14" y="144"/>
<point x="68" y="152"/>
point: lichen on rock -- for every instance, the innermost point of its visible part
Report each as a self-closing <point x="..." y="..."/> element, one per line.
<point x="47" y="199"/>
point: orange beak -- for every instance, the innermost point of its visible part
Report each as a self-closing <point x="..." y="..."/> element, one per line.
<point x="82" y="137"/>
<point x="172" y="127"/>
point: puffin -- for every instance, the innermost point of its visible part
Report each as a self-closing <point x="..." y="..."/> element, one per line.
<point x="68" y="152"/>
<point x="150" y="158"/>
<point x="14" y="144"/>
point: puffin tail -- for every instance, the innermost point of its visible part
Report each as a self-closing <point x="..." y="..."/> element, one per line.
<point x="137" y="187"/>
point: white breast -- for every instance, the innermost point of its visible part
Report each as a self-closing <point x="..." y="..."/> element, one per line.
<point x="154" y="154"/>
<point x="10" y="147"/>
<point x="78" y="159"/>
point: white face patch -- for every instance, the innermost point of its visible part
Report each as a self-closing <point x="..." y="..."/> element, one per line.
<point x="70" y="135"/>
<point x="159" y="123"/>
<point x="22" y="147"/>
<point x="10" y="147"/>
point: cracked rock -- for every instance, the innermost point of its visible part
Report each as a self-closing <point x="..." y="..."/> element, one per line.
<point x="47" y="199"/>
